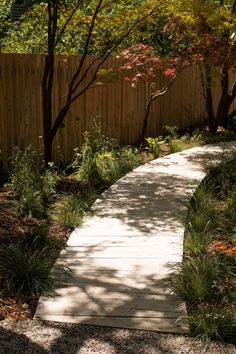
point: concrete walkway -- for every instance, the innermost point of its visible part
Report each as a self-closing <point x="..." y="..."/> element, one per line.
<point x="122" y="256"/>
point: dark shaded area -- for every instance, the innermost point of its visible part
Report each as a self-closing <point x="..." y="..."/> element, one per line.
<point x="14" y="343"/>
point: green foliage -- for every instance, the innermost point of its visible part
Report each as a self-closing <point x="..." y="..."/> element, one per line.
<point x="48" y="179"/>
<point x="223" y="175"/>
<point x="155" y="145"/>
<point x="169" y="132"/>
<point x="5" y="10"/>
<point x="232" y="124"/>
<point x="31" y="186"/>
<point x="206" y="277"/>
<point x="201" y="217"/>
<point x="102" y="161"/>
<point x="36" y="239"/>
<point x="23" y="272"/>
<point x="205" y="137"/>
<point x="75" y="206"/>
<point x="232" y="205"/>
<point x="213" y="324"/>
<point x="30" y="34"/>
<point x="197" y="242"/>
<point x="129" y="158"/>
<point x="177" y="142"/>
<point x="195" y="277"/>
<point x="104" y="168"/>
<point x="182" y="143"/>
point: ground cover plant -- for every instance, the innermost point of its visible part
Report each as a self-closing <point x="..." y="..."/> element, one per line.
<point x="206" y="278"/>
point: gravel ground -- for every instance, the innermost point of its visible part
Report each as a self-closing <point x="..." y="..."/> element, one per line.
<point x="37" y="337"/>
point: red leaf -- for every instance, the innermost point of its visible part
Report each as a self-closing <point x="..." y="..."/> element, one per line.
<point x="169" y="72"/>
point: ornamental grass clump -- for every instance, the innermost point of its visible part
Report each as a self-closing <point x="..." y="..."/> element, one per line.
<point x="194" y="278"/>
<point x="213" y="324"/>
<point x="75" y="206"/>
<point x="36" y="239"/>
<point x="197" y="242"/>
<point x="24" y="273"/>
<point x="201" y="216"/>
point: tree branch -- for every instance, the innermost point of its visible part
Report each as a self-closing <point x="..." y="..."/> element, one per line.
<point x="72" y="89"/>
<point x="65" y="24"/>
<point x="74" y="86"/>
<point x="118" y="42"/>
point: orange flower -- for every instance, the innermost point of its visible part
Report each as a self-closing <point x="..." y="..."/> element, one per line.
<point x="228" y="252"/>
<point x="233" y="249"/>
<point x="222" y="248"/>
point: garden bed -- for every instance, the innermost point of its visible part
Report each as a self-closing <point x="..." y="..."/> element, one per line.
<point x="67" y="199"/>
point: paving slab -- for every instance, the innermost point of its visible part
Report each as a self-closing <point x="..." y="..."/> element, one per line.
<point x="121" y="258"/>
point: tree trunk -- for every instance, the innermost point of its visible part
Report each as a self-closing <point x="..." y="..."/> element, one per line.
<point x="48" y="142"/>
<point x="47" y="107"/>
<point x="212" y="120"/>
<point x="224" y="102"/>
<point x="145" y="121"/>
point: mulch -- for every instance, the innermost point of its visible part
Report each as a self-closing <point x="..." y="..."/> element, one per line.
<point x="12" y="229"/>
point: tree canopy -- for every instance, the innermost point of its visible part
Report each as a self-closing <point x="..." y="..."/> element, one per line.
<point x="30" y="34"/>
<point x="199" y="32"/>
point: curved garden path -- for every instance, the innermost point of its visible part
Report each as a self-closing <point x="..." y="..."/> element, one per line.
<point x="122" y="255"/>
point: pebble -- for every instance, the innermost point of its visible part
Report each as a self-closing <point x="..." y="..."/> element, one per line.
<point x="38" y="337"/>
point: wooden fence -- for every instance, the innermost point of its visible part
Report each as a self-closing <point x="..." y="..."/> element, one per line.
<point x="119" y="107"/>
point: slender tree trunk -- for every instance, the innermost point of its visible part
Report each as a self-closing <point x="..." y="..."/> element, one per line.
<point x="47" y="82"/>
<point x="145" y="121"/>
<point x="212" y="121"/>
<point x="47" y="107"/>
<point x="224" y="102"/>
<point x="48" y="151"/>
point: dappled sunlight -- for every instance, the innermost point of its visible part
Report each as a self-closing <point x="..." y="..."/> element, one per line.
<point x="121" y="258"/>
<point x="107" y="293"/>
<point x="105" y="288"/>
<point x="147" y="204"/>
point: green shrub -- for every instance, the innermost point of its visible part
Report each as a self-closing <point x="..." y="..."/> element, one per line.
<point x="107" y="167"/>
<point x="102" y="161"/>
<point x="49" y="180"/>
<point x="232" y="124"/>
<point x="169" y="132"/>
<point x="24" y="171"/>
<point x="30" y="203"/>
<point x="128" y="158"/>
<point x="96" y="141"/>
<point x="32" y="186"/>
<point x="23" y="272"/>
<point x="182" y="143"/>
<point x="154" y="145"/>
